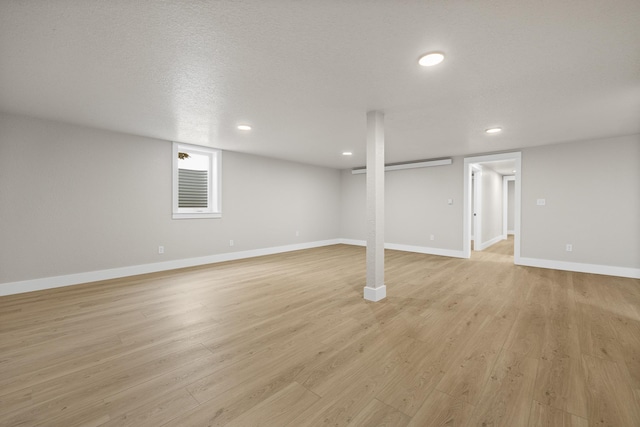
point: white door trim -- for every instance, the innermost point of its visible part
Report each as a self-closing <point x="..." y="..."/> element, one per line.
<point x="476" y="205"/>
<point x="505" y="204"/>
<point x="466" y="221"/>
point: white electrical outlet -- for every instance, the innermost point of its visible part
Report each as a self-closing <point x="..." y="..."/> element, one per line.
<point x="160" y="249"/>
<point x="297" y="233"/>
<point x="541" y="202"/>
<point x="230" y="242"/>
<point x="569" y="247"/>
<point x="432" y="237"/>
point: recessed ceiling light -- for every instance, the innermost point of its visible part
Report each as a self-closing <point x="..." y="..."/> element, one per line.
<point x="347" y="153"/>
<point x="493" y="130"/>
<point x="431" y="59"/>
<point x="514" y="171"/>
<point x="243" y="127"/>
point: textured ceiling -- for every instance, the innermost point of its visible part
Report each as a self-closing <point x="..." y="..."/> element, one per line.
<point x="304" y="73"/>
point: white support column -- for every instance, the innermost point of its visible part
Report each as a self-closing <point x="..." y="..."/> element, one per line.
<point x="375" y="290"/>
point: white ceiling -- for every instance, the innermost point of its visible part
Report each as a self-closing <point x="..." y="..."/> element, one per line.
<point x="502" y="167"/>
<point x="304" y="73"/>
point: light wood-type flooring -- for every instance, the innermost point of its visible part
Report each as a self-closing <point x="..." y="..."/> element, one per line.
<point x="287" y="340"/>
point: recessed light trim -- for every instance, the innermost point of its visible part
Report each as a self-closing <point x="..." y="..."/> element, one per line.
<point x="243" y="127"/>
<point x="430" y="59"/>
<point x="347" y="153"/>
<point x="493" y="130"/>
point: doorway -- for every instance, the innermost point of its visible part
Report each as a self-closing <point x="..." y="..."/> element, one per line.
<point x="508" y="205"/>
<point x="484" y="218"/>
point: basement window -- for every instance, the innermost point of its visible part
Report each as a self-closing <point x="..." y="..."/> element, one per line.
<point x="196" y="182"/>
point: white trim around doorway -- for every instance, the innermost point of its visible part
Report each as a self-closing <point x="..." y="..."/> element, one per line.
<point x="505" y="205"/>
<point x="470" y="162"/>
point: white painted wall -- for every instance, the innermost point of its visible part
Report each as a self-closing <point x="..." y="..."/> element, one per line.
<point x="491" y="217"/>
<point x="592" y="193"/>
<point x="592" y="189"/>
<point x="76" y="199"/>
<point x="416" y="206"/>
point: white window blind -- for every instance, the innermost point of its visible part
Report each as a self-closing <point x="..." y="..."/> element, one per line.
<point x="193" y="188"/>
<point x="196" y="182"/>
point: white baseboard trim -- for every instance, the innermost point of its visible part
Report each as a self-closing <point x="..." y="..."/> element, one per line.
<point x="353" y="242"/>
<point x="511" y="232"/>
<point x="375" y="294"/>
<point x="12" y="288"/>
<point x="409" y="248"/>
<point x="607" y="270"/>
<point x="19" y="287"/>
<point x="485" y="245"/>
<point x="425" y="250"/>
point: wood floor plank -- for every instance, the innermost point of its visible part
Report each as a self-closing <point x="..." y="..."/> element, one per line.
<point x="597" y="336"/>
<point x="628" y="332"/>
<point x="288" y="339"/>
<point x="442" y="410"/>
<point x="238" y="399"/>
<point x="610" y="398"/>
<point x="426" y="365"/>
<point x="529" y="330"/>
<point x="381" y="363"/>
<point x="561" y="384"/>
<point x="55" y="399"/>
<point x="506" y="400"/>
<point x="471" y="368"/>
<point x="132" y="398"/>
<point x="340" y="408"/>
<point x="279" y="409"/>
<point x="546" y="416"/>
<point x="379" y="414"/>
<point x="319" y="377"/>
<point x="157" y="411"/>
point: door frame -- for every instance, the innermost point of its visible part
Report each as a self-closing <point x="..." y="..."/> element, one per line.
<point x="467" y="214"/>
<point x="505" y="204"/>
<point x="476" y="205"/>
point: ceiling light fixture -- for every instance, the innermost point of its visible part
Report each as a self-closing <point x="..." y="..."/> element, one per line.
<point x="243" y="127"/>
<point x="493" y="130"/>
<point x="431" y="59"/>
<point x="347" y="153"/>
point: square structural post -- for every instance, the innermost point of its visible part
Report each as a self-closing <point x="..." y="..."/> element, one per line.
<point x="375" y="290"/>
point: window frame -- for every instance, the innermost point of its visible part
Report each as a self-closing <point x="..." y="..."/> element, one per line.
<point x="214" y="193"/>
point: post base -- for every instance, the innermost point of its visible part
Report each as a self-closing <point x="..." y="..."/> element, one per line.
<point x="375" y="294"/>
